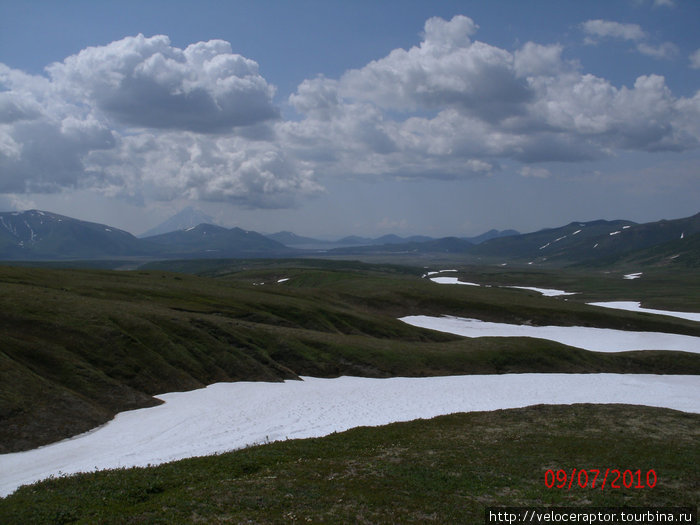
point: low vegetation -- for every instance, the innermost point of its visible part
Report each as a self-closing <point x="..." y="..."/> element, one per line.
<point x="80" y="345"/>
<point x="444" y="470"/>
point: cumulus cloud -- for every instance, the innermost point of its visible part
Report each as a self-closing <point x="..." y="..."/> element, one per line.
<point x="596" y="30"/>
<point x="446" y="69"/>
<point x="453" y="107"/>
<point x="143" y="119"/>
<point x="145" y="82"/>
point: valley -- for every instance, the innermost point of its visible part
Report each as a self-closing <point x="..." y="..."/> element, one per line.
<point x="83" y="345"/>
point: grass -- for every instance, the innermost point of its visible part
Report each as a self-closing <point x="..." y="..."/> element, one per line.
<point x="79" y="346"/>
<point x="444" y="470"/>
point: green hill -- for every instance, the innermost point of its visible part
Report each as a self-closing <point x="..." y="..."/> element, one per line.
<point x="444" y="470"/>
<point x="80" y="345"/>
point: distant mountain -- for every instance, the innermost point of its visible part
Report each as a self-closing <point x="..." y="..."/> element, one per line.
<point x="208" y="240"/>
<point x="574" y="241"/>
<point x="444" y="245"/>
<point x="583" y="242"/>
<point x="41" y="235"/>
<point x="662" y="243"/>
<point x="292" y="239"/>
<point x="182" y="220"/>
<point x="355" y="240"/>
<point x="491" y="234"/>
<point x="34" y="234"/>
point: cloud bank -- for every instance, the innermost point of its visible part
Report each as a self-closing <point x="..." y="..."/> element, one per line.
<point x="145" y="120"/>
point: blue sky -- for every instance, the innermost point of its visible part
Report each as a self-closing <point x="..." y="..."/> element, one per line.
<point x="331" y="118"/>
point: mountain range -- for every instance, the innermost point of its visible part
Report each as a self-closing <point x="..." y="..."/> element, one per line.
<point x="42" y="235"/>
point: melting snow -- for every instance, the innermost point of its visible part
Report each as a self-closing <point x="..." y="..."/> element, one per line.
<point x="595" y="339"/>
<point x="451" y="280"/>
<point x="615" y="233"/>
<point x="633" y="306"/>
<point x="633" y="275"/>
<point x="227" y="416"/>
<point x="285" y="279"/>
<point x="549" y="292"/>
<point x="576" y="232"/>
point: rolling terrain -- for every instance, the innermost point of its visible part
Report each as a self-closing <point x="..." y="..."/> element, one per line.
<point x="81" y="345"/>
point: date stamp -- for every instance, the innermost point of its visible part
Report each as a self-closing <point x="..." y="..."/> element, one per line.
<point x="594" y="478"/>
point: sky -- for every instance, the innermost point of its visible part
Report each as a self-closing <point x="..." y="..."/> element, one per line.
<point x="330" y="118"/>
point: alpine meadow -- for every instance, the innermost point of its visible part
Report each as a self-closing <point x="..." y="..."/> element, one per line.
<point x="394" y="262"/>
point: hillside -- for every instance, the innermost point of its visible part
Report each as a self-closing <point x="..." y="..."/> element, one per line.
<point x="81" y="345"/>
<point x="186" y="218"/>
<point x="37" y="234"/>
<point x="451" y="245"/>
<point x="606" y="242"/>
<point x="207" y="240"/>
<point x="443" y="470"/>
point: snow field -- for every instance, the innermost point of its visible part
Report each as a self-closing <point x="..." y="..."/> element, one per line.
<point x="595" y="339"/>
<point x="226" y="416"/>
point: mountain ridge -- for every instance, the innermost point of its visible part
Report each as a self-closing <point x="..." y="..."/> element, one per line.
<point x="36" y="235"/>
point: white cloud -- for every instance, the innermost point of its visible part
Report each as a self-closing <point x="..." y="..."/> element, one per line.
<point x="665" y="50"/>
<point x="428" y="111"/>
<point x="596" y="30"/>
<point x="608" y="29"/>
<point x="144" y="120"/>
<point x="695" y="59"/>
<point x="446" y="69"/>
<point x="538" y="173"/>
<point x="145" y="82"/>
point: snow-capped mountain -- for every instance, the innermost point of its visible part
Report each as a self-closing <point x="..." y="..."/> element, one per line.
<point x="36" y="234"/>
<point x="186" y="218"/>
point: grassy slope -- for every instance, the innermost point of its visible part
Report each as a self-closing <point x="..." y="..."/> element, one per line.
<point x="445" y="470"/>
<point x="80" y="345"/>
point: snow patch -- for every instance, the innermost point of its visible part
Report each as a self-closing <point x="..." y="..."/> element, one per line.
<point x="283" y="280"/>
<point x="634" y="275"/>
<point x="615" y="233"/>
<point x="451" y="280"/>
<point x="227" y="416"/>
<point x="549" y="292"/>
<point x="595" y="339"/>
<point x="633" y="306"/>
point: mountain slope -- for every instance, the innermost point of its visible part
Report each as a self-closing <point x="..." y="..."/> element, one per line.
<point x="207" y="240"/>
<point x="182" y="220"/>
<point x="38" y="234"/>
<point x="292" y="239"/>
<point x="585" y="242"/>
<point x="682" y="252"/>
<point x="491" y="234"/>
<point x="444" y="245"/>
